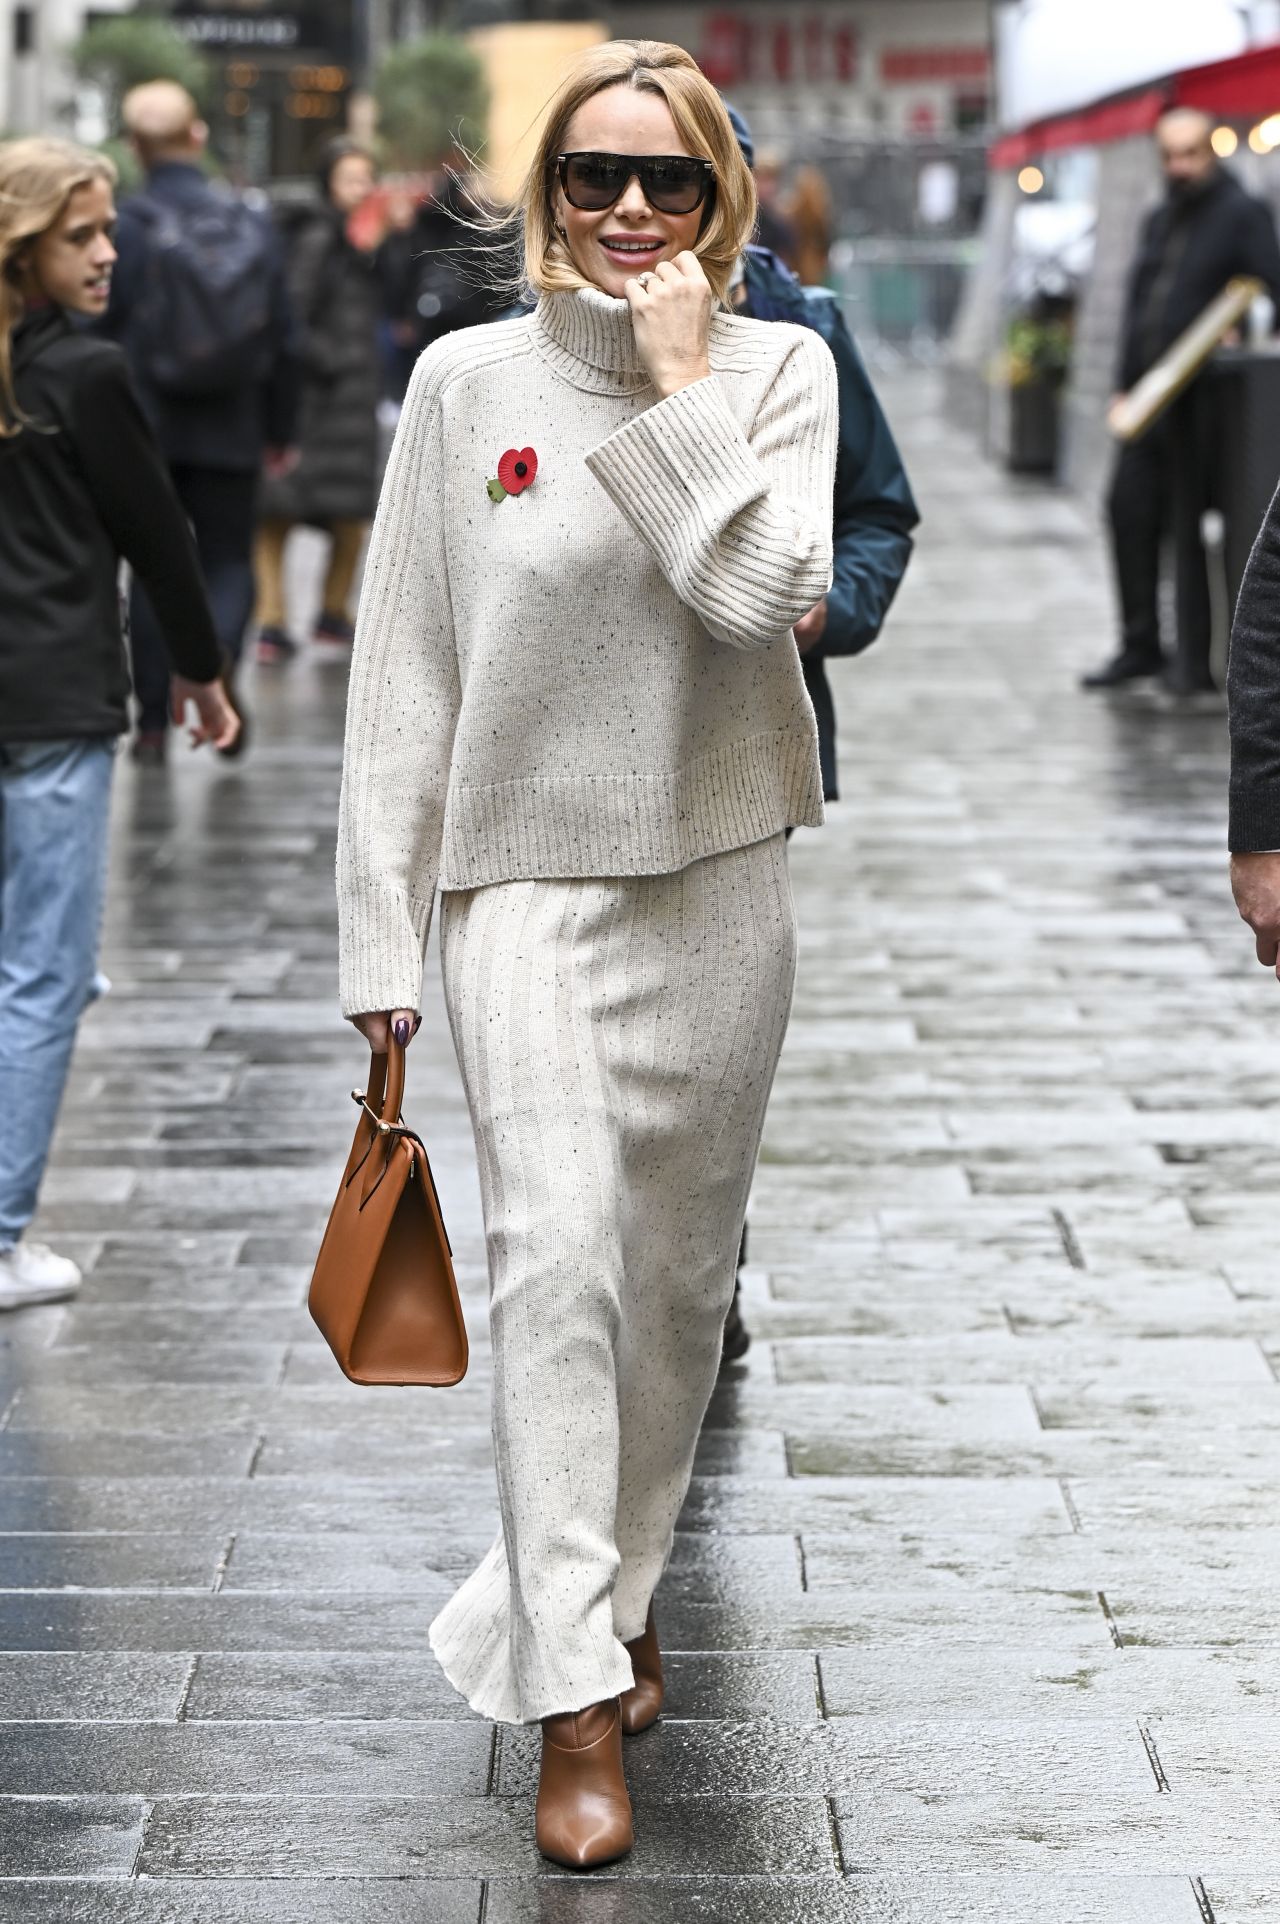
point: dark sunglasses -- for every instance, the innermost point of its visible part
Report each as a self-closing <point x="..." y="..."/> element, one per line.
<point x="673" y="183"/>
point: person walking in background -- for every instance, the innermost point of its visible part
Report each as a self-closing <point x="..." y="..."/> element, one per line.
<point x="576" y="705"/>
<point x="82" y="483"/>
<point x="774" y="228"/>
<point x="199" y="303"/>
<point x="427" y="265"/>
<point x="397" y="328"/>
<point x="809" y="208"/>
<point x="335" y="296"/>
<point x="1206" y="230"/>
<point x="874" y="513"/>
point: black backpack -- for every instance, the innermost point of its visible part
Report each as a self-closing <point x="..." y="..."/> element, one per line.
<point x="203" y="323"/>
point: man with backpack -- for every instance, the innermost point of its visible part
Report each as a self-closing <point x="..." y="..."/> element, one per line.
<point x="199" y="303"/>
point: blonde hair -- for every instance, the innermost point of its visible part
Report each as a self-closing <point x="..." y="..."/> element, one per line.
<point x="37" y="179"/>
<point x="650" y="66"/>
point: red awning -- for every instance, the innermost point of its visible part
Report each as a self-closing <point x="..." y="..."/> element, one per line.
<point x="1244" y="88"/>
<point x="1116" y="119"/>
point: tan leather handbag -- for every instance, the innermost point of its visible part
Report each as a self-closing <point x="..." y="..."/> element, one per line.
<point x="383" y="1292"/>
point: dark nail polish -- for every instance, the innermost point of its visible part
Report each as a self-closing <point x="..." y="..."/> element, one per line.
<point x="402" y="1030"/>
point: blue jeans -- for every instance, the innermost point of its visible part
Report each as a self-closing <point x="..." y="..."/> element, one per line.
<point x="54" y="803"/>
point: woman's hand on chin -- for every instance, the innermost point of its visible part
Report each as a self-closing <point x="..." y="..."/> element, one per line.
<point x="671" y="313"/>
<point x="374" y="1028"/>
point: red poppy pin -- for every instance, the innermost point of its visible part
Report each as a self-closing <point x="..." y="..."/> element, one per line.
<point x="516" y="470"/>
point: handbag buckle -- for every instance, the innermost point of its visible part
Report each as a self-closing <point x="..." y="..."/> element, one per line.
<point x="386" y="1128"/>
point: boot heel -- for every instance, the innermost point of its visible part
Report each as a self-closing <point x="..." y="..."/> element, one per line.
<point x="642" y="1704"/>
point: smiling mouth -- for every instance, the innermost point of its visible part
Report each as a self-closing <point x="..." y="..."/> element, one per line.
<point x="630" y="249"/>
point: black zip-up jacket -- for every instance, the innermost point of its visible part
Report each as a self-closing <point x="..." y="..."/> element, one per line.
<point x="1187" y="252"/>
<point x="82" y="485"/>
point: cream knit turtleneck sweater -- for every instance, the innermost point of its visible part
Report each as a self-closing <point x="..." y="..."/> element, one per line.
<point x="595" y="676"/>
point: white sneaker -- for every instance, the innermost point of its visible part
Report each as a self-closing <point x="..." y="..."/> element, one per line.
<point x="31" y="1273"/>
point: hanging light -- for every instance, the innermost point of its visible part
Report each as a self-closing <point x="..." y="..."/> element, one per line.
<point x="1031" y="180"/>
<point x="1224" y="141"/>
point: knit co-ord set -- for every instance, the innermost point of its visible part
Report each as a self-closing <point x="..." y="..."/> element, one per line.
<point x="579" y="712"/>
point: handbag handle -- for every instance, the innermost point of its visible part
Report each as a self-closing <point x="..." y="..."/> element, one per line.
<point x="385" y="1095"/>
<point x="382" y="1104"/>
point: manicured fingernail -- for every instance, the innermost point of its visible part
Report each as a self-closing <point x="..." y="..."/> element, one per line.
<point x="402" y="1030"/>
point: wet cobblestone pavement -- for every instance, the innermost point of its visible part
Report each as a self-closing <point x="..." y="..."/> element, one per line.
<point x="974" y="1607"/>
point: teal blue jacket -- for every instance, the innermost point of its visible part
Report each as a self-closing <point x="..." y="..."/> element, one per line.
<point x="874" y="510"/>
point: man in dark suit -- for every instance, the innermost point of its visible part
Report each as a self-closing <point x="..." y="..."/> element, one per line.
<point x="1206" y="230"/>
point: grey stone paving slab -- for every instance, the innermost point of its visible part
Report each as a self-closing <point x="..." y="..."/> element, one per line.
<point x="152" y="1561"/>
<point x="756" y="1504"/>
<point x="878" y="1758"/>
<point x="178" y="1620"/>
<point x="1013" y="1830"/>
<point x="208" y="1407"/>
<point x="104" y="1453"/>
<point x="471" y="1837"/>
<point x="954" y="1899"/>
<point x="1139" y="1306"/>
<point x="1151" y="1501"/>
<point x="69" y="1836"/>
<point x="104" y="1326"/>
<point x="238" y="1900"/>
<point x="328" y="1686"/>
<point x="417" y="1759"/>
<point x="1052" y="1684"/>
<point x="702" y="1566"/>
<point x="1237" y="1898"/>
<point x="1150" y="1445"/>
<point x="853" y="1615"/>
<point x="192" y="1503"/>
<point x="92" y="1687"/>
<point x="144" y="1364"/>
<point x="1217" y="1407"/>
<point x="989" y="1357"/>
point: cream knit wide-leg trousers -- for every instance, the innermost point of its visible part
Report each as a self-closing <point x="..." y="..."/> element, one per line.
<point x="618" y="1040"/>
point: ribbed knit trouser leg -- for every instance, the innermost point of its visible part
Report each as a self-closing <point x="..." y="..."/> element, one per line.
<point x="618" y="1040"/>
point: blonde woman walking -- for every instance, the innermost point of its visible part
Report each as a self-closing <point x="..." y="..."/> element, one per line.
<point x="576" y="707"/>
<point x="82" y="484"/>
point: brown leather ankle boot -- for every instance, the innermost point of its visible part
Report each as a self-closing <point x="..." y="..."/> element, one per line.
<point x="642" y="1704"/>
<point x="583" y="1812"/>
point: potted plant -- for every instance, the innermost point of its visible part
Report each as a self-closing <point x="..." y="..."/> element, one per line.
<point x="1037" y="356"/>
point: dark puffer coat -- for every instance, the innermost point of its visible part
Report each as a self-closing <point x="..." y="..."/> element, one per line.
<point x="336" y="307"/>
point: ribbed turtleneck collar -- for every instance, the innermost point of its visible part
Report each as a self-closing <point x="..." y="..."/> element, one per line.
<point x="587" y="337"/>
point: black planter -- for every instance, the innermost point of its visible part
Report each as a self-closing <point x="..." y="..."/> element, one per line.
<point x="1034" y="423"/>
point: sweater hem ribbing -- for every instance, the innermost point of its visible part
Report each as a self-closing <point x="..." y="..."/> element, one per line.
<point x="576" y="826"/>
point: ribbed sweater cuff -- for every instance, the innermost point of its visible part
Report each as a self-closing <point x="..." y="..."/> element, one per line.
<point x="684" y="461"/>
<point x="1254" y="821"/>
<point x="380" y="958"/>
